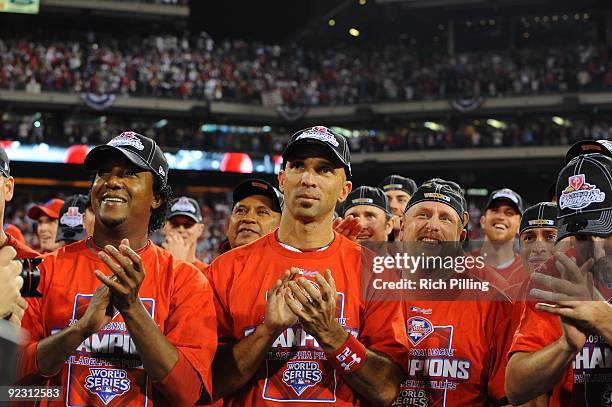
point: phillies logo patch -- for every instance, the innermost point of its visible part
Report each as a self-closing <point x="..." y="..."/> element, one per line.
<point x="302" y="375"/>
<point x="183" y="205"/>
<point x="72" y="218"/>
<point x="579" y="194"/>
<point x="418" y="328"/>
<point x="107" y="383"/>
<point x="127" y="138"/>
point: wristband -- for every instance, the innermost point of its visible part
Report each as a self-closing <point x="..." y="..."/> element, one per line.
<point x="349" y="357"/>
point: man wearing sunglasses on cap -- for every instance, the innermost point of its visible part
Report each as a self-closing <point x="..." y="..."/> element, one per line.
<point x="183" y="229"/>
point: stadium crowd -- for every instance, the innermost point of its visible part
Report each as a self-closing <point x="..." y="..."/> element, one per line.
<point x="199" y="68"/>
<point x="474" y="134"/>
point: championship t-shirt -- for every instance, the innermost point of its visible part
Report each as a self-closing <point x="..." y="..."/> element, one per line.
<point x="295" y="370"/>
<point x="587" y="381"/>
<point x="105" y="369"/>
<point x="458" y="352"/>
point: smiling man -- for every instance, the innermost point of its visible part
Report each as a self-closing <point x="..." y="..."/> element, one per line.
<point x="47" y="216"/>
<point x="276" y="346"/>
<point x="371" y="207"/>
<point x="500" y="223"/>
<point x="538" y="234"/>
<point x="121" y="319"/>
<point x="398" y="190"/>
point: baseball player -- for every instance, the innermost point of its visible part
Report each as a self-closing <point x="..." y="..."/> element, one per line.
<point x="537" y="235"/>
<point x="458" y="345"/>
<point x="371" y="207"/>
<point x="561" y="346"/>
<point x="500" y="223"/>
<point x="398" y="190"/>
<point x="71" y="219"/>
<point x="293" y="327"/>
<point x="120" y="320"/>
<point x="183" y="229"/>
<point x="255" y="213"/>
<point x="46" y="217"/>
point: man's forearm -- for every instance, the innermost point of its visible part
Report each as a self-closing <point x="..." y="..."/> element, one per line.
<point x="235" y="365"/>
<point x="53" y="351"/>
<point x="529" y="375"/>
<point x="157" y="354"/>
<point x="604" y="324"/>
<point x="377" y="380"/>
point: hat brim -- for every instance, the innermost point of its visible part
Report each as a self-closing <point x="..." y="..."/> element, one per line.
<point x="70" y="234"/>
<point x="507" y="200"/>
<point x="577" y="149"/>
<point x="352" y="205"/>
<point x="293" y="146"/>
<point x="95" y="157"/>
<point x="188" y="214"/>
<point x="37" y="211"/>
<point x="598" y="223"/>
<point x="245" y="190"/>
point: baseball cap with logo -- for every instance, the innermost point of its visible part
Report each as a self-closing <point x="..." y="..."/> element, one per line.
<point x="508" y="195"/>
<point x="588" y="147"/>
<point x="321" y="135"/>
<point x="51" y="208"/>
<point x="255" y="186"/>
<point x="366" y="196"/>
<point x="142" y="151"/>
<point x="4" y="163"/>
<point x="187" y="207"/>
<point x="541" y="215"/>
<point x="70" y="227"/>
<point x="439" y="190"/>
<point x="584" y="193"/>
<point x="398" y="183"/>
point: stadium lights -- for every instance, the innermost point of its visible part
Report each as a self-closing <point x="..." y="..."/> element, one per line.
<point x="331" y="22"/>
<point x="362" y="2"/>
<point x="160" y="124"/>
<point x="37" y="124"/>
<point x="434" y="126"/>
<point x="497" y="124"/>
<point x="354" y="32"/>
<point x="266" y="128"/>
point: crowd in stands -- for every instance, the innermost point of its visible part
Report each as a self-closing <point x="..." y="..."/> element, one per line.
<point x="473" y="134"/>
<point x="233" y="70"/>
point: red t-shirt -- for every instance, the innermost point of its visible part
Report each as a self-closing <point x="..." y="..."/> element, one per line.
<point x="514" y="276"/>
<point x="23" y="250"/>
<point x="295" y="370"/>
<point x="458" y="351"/>
<point x="105" y="370"/>
<point x="200" y="265"/>
<point x="587" y="381"/>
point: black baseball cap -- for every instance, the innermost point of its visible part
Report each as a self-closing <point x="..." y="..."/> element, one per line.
<point x="187" y="207"/>
<point x="438" y="190"/>
<point x="589" y="147"/>
<point x="507" y="195"/>
<point x="584" y="194"/>
<point x="326" y="137"/>
<point x="366" y="196"/>
<point x="5" y="169"/>
<point x="541" y="215"/>
<point x="70" y="227"/>
<point x="142" y="151"/>
<point x="256" y="186"/>
<point x="398" y="183"/>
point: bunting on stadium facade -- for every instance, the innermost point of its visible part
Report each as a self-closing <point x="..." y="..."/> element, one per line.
<point x="466" y="104"/>
<point x="98" y="102"/>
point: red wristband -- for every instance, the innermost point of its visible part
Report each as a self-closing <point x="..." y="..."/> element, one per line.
<point x="349" y="357"/>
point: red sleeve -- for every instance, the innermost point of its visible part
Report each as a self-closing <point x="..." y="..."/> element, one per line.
<point x="200" y="265"/>
<point x="383" y="330"/>
<point x="535" y="330"/>
<point x="184" y="377"/>
<point x="500" y="336"/>
<point x="192" y="328"/>
<point x="23" y="251"/>
<point x="219" y="282"/>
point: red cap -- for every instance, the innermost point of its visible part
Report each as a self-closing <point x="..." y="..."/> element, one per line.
<point x="51" y="208"/>
<point x="15" y="232"/>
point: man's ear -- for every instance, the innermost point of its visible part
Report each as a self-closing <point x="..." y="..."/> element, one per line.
<point x="199" y="229"/>
<point x="346" y="190"/>
<point x="482" y="222"/>
<point x="462" y="235"/>
<point x="389" y="226"/>
<point x="281" y="181"/>
<point x="9" y="188"/>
